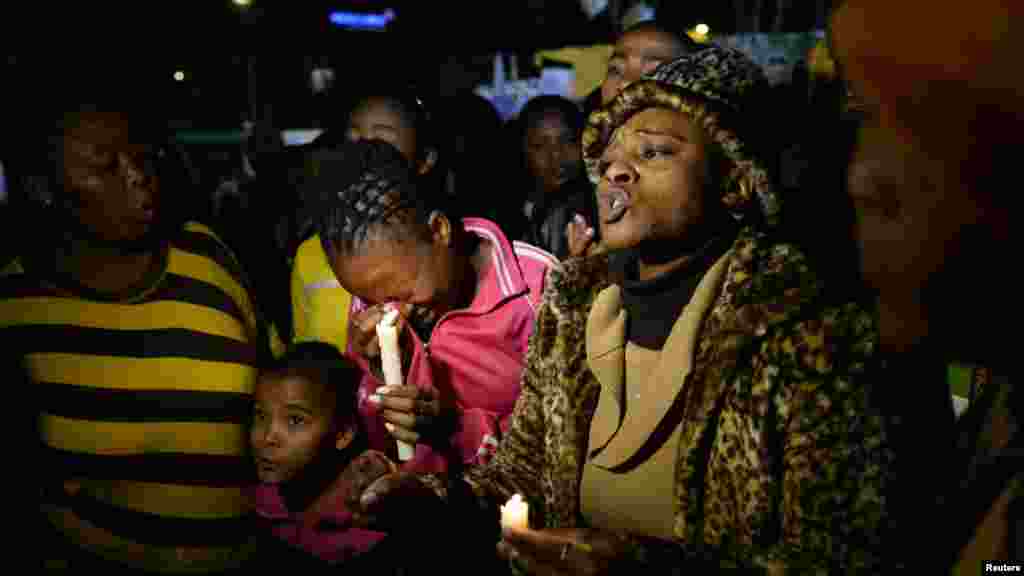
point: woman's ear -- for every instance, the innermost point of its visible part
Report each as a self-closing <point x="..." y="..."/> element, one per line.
<point x="428" y="161"/>
<point x="345" y="437"/>
<point x="440" y="228"/>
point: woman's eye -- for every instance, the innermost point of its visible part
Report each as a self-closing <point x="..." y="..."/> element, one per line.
<point x="105" y="165"/>
<point x="296" y="420"/>
<point x="652" y="153"/>
<point x="614" y="70"/>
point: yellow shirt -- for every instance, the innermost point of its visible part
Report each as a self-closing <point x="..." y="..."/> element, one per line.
<point x="320" y="306"/>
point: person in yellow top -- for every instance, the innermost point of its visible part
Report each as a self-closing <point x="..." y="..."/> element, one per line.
<point x="320" y="306"/>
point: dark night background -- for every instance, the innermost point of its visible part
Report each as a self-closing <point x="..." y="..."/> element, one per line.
<point x="239" y="57"/>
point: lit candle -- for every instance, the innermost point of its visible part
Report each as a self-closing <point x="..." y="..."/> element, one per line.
<point x="391" y="365"/>
<point x="515" y="513"/>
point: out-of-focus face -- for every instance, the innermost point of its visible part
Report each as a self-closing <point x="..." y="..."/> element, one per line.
<point x="916" y="213"/>
<point x="637" y="53"/>
<point x="111" y="176"/>
<point x="377" y="119"/>
<point x="653" y="180"/>
<point x="552" y="152"/>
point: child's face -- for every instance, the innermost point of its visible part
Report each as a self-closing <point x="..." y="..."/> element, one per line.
<point x="293" y="423"/>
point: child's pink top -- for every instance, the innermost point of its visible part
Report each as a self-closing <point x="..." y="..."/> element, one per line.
<point x="326" y="533"/>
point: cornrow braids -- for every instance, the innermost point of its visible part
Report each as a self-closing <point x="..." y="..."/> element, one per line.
<point x="363" y="188"/>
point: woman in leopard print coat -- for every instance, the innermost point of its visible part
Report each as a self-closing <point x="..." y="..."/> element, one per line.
<point x="750" y="441"/>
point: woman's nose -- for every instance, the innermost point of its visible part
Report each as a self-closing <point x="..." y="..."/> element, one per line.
<point x="619" y="172"/>
<point x="134" y="174"/>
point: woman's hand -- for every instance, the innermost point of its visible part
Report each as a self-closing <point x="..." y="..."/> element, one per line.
<point x="564" y="551"/>
<point x="395" y="501"/>
<point x="363" y="335"/>
<point x="581" y="237"/>
<point x="363" y="332"/>
<point x="413" y="415"/>
<point x="362" y="471"/>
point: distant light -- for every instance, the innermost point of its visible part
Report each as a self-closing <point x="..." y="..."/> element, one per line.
<point x="362" y="20"/>
<point x="242" y="2"/>
<point x="703" y="29"/>
<point x="179" y="76"/>
<point x="299" y="137"/>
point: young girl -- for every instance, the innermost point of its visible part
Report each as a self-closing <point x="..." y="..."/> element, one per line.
<point x="469" y="296"/>
<point x="320" y="306"/>
<point x="308" y="451"/>
<point x="391" y="115"/>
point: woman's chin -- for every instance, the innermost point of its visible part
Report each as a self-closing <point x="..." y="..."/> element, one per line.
<point x="620" y="234"/>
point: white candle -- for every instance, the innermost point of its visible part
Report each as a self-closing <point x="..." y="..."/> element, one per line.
<point x="391" y="365"/>
<point x="516" y="513"/>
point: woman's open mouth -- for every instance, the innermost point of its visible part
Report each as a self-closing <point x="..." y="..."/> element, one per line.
<point x="614" y="203"/>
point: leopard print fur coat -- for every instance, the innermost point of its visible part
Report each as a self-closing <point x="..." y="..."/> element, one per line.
<point x="782" y="459"/>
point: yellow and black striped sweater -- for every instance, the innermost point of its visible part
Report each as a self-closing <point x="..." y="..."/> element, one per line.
<point x="142" y="405"/>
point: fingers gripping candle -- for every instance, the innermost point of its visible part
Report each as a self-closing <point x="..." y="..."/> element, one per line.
<point x="515" y="513"/>
<point x="391" y="365"/>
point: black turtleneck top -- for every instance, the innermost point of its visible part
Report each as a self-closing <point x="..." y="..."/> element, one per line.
<point x="653" y="306"/>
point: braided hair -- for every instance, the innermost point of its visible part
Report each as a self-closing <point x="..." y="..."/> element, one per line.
<point x="368" y="188"/>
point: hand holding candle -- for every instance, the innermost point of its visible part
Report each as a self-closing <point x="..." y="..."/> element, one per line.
<point x="515" y="513"/>
<point x="391" y="365"/>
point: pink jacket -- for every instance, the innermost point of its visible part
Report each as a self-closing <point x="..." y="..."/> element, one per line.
<point x="478" y="351"/>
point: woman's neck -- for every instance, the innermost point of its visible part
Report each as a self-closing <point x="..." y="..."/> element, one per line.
<point x="473" y="258"/>
<point x="658" y="258"/>
<point x="651" y="269"/>
<point x="103" y="269"/>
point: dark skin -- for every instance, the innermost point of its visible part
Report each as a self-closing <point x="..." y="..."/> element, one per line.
<point x="377" y="118"/>
<point x="114" y="193"/>
<point x="636" y="53"/>
<point x="552" y="152"/>
<point x="651" y="197"/>
<point x="652" y="201"/>
<point x="549" y="146"/>
<point x="294" y="427"/>
<point x="394" y="501"/>
<point x="932" y="216"/>
<point x="301" y="444"/>
<point x="658" y="165"/>
<point x="428" y="274"/>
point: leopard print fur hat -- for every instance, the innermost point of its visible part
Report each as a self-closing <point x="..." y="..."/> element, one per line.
<point x="722" y="90"/>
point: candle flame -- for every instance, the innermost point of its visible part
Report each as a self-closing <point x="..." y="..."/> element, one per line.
<point x="513" y="502"/>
